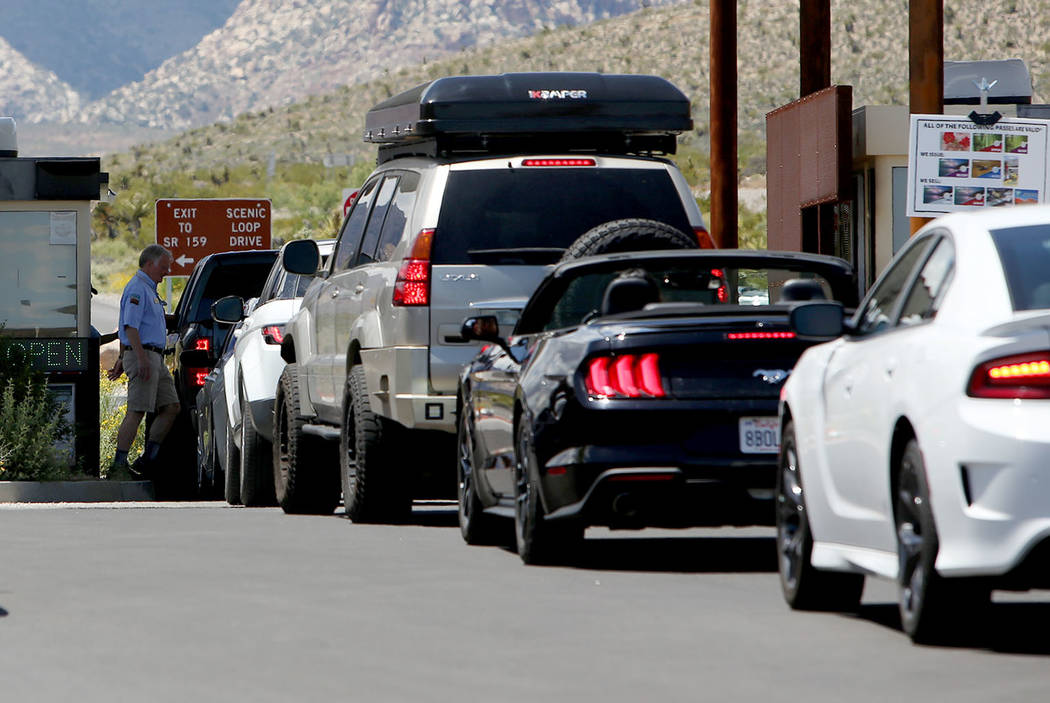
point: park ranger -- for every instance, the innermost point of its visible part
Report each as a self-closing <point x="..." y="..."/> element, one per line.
<point x="143" y="332"/>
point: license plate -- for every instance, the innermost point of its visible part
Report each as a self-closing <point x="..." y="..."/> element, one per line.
<point x="759" y="435"/>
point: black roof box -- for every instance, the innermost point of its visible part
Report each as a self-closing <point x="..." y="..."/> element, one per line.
<point x="522" y="112"/>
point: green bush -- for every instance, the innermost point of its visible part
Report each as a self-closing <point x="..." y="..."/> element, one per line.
<point x="30" y="423"/>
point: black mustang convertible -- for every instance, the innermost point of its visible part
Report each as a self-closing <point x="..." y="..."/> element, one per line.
<point x="636" y="390"/>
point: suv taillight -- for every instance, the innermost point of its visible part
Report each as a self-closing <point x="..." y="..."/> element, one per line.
<point x="412" y="286"/>
<point x="1019" y="376"/>
<point x="703" y="238"/>
<point x="625" y="376"/>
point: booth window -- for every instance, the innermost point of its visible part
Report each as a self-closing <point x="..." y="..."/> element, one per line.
<point x="39" y="282"/>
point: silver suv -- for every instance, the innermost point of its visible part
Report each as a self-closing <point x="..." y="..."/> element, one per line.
<point x="483" y="184"/>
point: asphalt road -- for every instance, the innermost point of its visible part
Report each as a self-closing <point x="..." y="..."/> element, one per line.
<point x="200" y="602"/>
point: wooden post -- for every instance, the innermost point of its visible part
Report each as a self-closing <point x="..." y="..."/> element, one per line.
<point x="814" y="46"/>
<point x="925" y="64"/>
<point x="724" y="226"/>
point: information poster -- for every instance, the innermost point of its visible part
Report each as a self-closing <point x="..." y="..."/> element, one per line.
<point x="956" y="165"/>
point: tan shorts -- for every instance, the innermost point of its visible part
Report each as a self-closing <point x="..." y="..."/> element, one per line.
<point x="147" y="396"/>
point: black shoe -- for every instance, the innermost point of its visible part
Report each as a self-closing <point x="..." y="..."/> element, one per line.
<point x="141" y="468"/>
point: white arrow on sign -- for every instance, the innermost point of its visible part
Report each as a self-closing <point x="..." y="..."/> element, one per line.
<point x="183" y="260"/>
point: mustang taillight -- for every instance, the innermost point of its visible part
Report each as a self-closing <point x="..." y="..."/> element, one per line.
<point x="273" y="334"/>
<point x="1019" y="376"/>
<point x="559" y="162"/>
<point x="412" y="286"/>
<point x="760" y="335"/>
<point x="625" y="376"/>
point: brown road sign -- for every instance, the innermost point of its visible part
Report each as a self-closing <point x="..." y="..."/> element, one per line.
<point x="192" y="229"/>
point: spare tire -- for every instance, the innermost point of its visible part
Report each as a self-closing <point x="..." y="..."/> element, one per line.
<point x="629" y="235"/>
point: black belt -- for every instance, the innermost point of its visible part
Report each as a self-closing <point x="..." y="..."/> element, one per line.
<point x="147" y="347"/>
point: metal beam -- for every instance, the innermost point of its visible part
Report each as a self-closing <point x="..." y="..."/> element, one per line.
<point x="814" y="46"/>
<point x="925" y="64"/>
<point x="724" y="226"/>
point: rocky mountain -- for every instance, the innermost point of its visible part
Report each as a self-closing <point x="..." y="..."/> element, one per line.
<point x="29" y="90"/>
<point x="273" y="52"/>
<point x="96" y="46"/>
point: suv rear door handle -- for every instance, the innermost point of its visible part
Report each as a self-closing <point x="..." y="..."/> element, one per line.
<point x="334" y="293"/>
<point x="360" y="288"/>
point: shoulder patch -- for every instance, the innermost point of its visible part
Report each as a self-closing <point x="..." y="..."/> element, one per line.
<point x="134" y="300"/>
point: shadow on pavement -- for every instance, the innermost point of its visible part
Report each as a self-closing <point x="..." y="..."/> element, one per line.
<point x="1007" y="628"/>
<point x="3" y="613"/>
<point x="713" y="555"/>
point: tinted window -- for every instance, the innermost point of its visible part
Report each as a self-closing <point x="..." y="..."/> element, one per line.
<point x="375" y="222"/>
<point x="394" y="226"/>
<point x="876" y="310"/>
<point x="1025" y="255"/>
<point x="928" y="291"/>
<point x="530" y="215"/>
<point x="353" y="228"/>
<point x="243" y="279"/>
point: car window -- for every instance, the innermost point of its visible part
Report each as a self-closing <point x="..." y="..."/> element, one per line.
<point x="688" y="282"/>
<point x="242" y="278"/>
<point x="930" y="285"/>
<point x="1025" y="256"/>
<point x="375" y="221"/>
<point x="877" y="308"/>
<point x="397" y="217"/>
<point x="353" y="228"/>
<point x="531" y="215"/>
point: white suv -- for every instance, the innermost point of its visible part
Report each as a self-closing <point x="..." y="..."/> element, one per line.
<point x="484" y="183"/>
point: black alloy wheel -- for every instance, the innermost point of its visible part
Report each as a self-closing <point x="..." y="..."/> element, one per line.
<point x="257" y="489"/>
<point x="803" y="586"/>
<point x="933" y="609"/>
<point x="233" y="469"/>
<point x="538" y="541"/>
<point x="475" y="526"/>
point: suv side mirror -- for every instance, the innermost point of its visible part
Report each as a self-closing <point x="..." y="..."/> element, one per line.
<point x="818" y="319"/>
<point x="301" y="256"/>
<point x="481" y="329"/>
<point x="228" y="310"/>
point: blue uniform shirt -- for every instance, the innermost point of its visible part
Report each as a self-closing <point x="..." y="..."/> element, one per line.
<point x="141" y="308"/>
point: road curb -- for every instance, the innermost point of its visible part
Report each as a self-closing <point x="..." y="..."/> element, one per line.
<point x="75" y="491"/>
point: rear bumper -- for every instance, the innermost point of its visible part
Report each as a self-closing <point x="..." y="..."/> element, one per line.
<point x="657" y="486"/>
<point x="399" y="387"/>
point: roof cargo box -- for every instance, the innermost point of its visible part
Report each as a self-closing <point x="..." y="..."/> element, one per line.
<point x="516" y="112"/>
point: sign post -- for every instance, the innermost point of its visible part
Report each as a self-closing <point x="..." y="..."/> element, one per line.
<point x="192" y="229"/>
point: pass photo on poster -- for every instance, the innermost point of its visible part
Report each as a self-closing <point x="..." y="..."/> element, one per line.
<point x="987" y="141"/>
<point x="1025" y="196"/>
<point x="955" y="141"/>
<point x="969" y="195"/>
<point x="987" y="169"/>
<point x="1011" y="171"/>
<point x="1000" y="196"/>
<point x="954" y="168"/>
<point x="937" y="194"/>
<point x="1016" y="144"/>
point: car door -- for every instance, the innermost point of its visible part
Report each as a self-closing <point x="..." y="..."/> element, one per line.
<point x="349" y="286"/>
<point x="323" y="393"/>
<point x="858" y="387"/>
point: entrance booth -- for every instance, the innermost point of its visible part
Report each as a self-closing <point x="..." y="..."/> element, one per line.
<point x="45" y="279"/>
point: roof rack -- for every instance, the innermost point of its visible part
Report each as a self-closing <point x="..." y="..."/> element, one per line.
<point x="531" y="113"/>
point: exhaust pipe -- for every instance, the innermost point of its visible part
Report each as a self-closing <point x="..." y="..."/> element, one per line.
<point x="625" y="505"/>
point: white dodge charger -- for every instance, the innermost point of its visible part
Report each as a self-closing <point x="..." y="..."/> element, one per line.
<point x="916" y="444"/>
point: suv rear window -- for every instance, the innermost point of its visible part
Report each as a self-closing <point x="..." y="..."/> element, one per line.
<point x="1025" y="253"/>
<point x="243" y="279"/>
<point x="530" y="216"/>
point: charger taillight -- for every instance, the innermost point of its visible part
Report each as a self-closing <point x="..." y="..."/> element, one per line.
<point x="625" y="376"/>
<point x="196" y="376"/>
<point x="412" y="286"/>
<point x="203" y="344"/>
<point x="273" y="334"/>
<point x="1017" y="376"/>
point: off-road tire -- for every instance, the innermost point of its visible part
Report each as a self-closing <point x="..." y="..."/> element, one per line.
<point x="305" y="468"/>
<point x="633" y="234"/>
<point x="256" y="477"/>
<point x="376" y="486"/>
